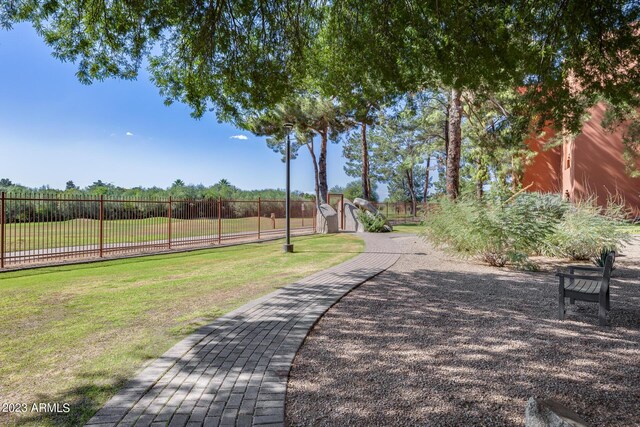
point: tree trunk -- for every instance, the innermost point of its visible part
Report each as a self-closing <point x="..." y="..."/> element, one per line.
<point x="315" y="168"/>
<point x="479" y="188"/>
<point x="455" y="144"/>
<point x="366" y="185"/>
<point x="446" y="130"/>
<point x="479" y="180"/>
<point x="412" y="190"/>
<point x="322" y="168"/>
<point x="426" y="181"/>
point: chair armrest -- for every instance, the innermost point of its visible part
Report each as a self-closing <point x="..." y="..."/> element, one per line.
<point x="579" y="276"/>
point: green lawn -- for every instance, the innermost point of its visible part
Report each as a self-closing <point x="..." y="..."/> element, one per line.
<point x="76" y="333"/>
<point x="408" y="228"/>
<point x="79" y="232"/>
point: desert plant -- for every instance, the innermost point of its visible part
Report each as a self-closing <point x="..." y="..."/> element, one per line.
<point x="500" y="232"/>
<point x="373" y="223"/>
<point x="446" y="223"/>
<point x="496" y="233"/>
<point x="585" y="230"/>
<point x="601" y="258"/>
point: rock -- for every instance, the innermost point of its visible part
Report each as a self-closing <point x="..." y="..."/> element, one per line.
<point x="550" y="413"/>
<point x="368" y="207"/>
<point x="327" y="219"/>
<point x="351" y="220"/>
<point x="365" y="205"/>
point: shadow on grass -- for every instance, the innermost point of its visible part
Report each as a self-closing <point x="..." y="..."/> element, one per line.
<point x="83" y="401"/>
<point x="257" y="343"/>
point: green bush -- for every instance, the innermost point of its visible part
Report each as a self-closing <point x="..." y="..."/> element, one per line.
<point x="373" y="223"/>
<point x="601" y="259"/>
<point x="494" y="231"/>
<point x="587" y="230"/>
<point x="500" y="232"/>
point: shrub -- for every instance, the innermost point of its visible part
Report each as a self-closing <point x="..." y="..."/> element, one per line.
<point x="494" y="231"/>
<point x="586" y="230"/>
<point x="601" y="259"/>
<point x="500" y="232"/>
<point x="373" y="223"/>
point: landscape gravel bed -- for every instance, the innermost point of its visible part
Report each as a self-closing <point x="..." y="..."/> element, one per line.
<point x="439" y="341"/>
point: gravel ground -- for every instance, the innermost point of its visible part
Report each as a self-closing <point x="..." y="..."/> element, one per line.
<point x="439" y="341"/>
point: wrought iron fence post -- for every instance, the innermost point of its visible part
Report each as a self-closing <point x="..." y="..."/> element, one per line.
<point x="342" y="212"/>
<point x="315" y="214"/>
<point x="2" y="222"/>
<point x="219" y="219"/>
<point x="169" y="221"/>
<point x="101" y="225"/>
<point x="259" y="216"/>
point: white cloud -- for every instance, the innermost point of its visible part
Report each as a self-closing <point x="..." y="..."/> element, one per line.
<point x="242" y="137"/>
<point x="129" y="134"/>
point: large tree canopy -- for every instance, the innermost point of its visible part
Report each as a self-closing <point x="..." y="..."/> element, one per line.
<point x="224" y="55"/>
<point x="564" y="55"/>
<point x="249" y="53"/>
<point x="468" y="45"/>
<point x="244" y="57"/>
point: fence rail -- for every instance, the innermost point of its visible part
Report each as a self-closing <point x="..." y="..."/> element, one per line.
<point x="402" y="211"/>
<point x="60" y="228"/>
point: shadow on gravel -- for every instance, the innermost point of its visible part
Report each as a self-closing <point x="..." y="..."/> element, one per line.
<point x="450" y="348"/>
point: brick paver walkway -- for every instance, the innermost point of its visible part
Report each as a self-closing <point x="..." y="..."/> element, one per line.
<point x="234" y="371"/>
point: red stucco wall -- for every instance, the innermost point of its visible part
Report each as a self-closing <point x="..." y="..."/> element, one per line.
<point x="597" y="164"/>
<point x="543" y="171"/>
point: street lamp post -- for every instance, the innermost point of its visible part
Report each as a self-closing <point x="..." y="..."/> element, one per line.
<point x="288" y="247"/>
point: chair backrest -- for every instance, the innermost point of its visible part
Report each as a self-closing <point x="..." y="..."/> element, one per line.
<point x="606" y="271"/>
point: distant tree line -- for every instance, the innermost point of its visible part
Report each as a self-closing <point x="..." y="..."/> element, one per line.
<point x="188" y="202"/>
<point x="178" y="190"/>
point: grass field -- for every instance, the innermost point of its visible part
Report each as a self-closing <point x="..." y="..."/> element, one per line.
<point x="408" y="228"/>
<point x="80" y="232"/>
<point x="75" y="334"/>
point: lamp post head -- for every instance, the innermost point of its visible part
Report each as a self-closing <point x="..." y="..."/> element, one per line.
<point x="288" y="126"/>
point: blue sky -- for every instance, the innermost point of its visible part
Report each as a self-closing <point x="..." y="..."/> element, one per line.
<point x="54" y="129"/>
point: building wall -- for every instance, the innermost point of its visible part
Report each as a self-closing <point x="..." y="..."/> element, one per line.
<point x="597" y="167"/>
<point x="543" y="172"/>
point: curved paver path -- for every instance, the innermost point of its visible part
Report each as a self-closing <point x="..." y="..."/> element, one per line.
<point x="234" y="371"/>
